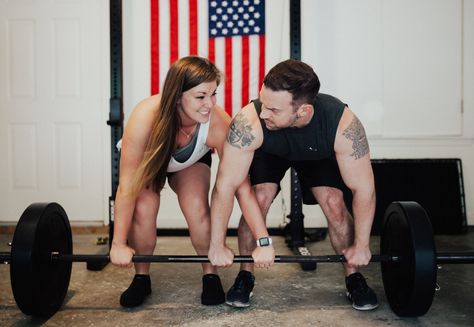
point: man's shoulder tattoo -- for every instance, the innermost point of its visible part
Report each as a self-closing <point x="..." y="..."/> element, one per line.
<point x="355" y="132"/>
<point x="240" y="132"/>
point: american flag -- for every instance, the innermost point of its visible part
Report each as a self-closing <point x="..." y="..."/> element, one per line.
<point x="231" y="33"/>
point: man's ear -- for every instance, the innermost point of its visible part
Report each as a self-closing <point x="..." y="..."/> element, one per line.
<point x="305" y="109"/>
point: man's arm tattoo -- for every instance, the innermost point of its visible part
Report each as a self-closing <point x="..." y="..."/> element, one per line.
<point x="355" y="132"/>
<point x="240" y="132"/>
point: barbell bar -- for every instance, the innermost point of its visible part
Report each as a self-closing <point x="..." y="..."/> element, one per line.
<point x="455" y="257"/>
<point x="205" y="259"/>
<point x="441" y="258"/>
<point x="96" y="258"/>
<point x="41" y="259"/>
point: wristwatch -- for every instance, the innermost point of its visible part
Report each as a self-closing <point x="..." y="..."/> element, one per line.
<point x="264" y="241"/>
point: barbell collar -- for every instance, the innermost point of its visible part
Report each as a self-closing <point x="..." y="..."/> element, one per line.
<point x="205" y="259"/>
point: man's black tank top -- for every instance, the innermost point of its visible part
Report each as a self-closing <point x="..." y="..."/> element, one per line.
<point x="314" y="141"/>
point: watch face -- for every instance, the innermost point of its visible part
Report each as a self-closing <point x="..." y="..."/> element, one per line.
<point x="264" y="241"/>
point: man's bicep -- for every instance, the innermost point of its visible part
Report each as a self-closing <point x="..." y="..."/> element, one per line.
<point x="243" y="138"/>
<point x="351" y="138"/>
<point x="234" y="166"/>
<point x="357" y="174"/>
<point x="242" y="134"/>
<point x="352" y="151"/>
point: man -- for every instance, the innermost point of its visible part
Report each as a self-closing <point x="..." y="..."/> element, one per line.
<point x="292" y="125"/>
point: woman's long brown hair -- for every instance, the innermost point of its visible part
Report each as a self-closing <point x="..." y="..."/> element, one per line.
<point x="183" y="75"/>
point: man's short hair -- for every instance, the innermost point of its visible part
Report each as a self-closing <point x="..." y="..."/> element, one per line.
<point x="297" y="78"/>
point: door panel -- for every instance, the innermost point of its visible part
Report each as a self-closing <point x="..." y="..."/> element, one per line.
<point x="52" y="106"/>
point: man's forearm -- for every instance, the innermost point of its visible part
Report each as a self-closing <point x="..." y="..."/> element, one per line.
<point x="251" y="212"/>
<point x="222" y="203"/>
<point x="363" y="206"/>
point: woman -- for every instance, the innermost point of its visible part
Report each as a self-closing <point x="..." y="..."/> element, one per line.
<point x="169" y="135"/>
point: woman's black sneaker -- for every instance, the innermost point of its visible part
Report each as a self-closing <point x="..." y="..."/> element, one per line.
<point x="359" y="293"/>
<point x="136" y="293"/>
<point x="212" y="291"/>
<point x="240" y="293"/>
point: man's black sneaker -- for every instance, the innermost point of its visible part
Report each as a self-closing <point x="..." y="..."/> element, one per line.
<point x="240" y="293"/>
<point x="212" y="291"/>
<point x="136" y="293"/>
<point x="359" y="293"/>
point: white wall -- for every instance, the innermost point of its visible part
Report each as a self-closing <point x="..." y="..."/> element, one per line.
<point x="405" y="67"/>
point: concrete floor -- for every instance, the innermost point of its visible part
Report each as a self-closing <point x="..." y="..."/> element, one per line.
<point x="283" y="296"/>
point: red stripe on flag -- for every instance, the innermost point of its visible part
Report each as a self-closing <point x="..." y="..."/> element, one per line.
<point x="211" y="50"/>
<point x="261" y="73"/>
<point x="245" y="70"/>
<point x="155" y="44"/>
<point x="193" y="27"/>
<point x="174" y="45"/>
<point x="228" y="76"/>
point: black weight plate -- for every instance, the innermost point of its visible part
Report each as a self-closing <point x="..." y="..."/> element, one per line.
<point x="409" y="284"/>
<point x="38" y="284"/>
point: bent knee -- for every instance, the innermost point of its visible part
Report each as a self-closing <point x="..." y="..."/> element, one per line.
<point x="334" y="208"/>
<point x="195" y="208"/>
<point x="265" y="194"/>
<point x="146" y="207"/>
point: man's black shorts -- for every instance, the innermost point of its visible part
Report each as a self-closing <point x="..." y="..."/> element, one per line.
<point x="268" y="168"/>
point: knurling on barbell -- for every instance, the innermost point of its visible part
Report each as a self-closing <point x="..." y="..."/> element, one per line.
<point x="41" y="259"/>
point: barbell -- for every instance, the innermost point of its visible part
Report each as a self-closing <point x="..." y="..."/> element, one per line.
<point x="41" y="259"/>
